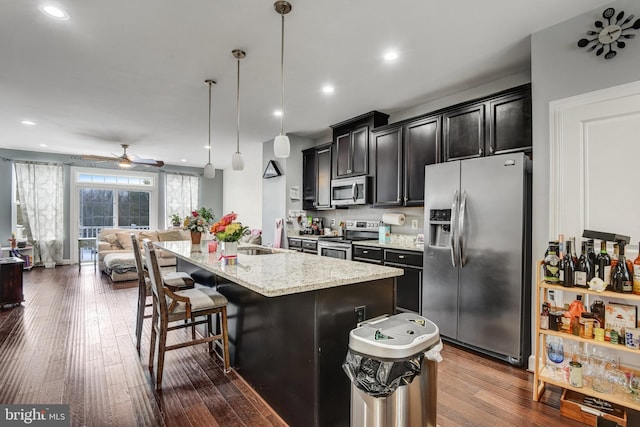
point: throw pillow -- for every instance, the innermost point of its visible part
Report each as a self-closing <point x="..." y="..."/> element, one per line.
<point x="171" y="235"/>
<point x="113" y="240"/>
<point x="124" y="238"/>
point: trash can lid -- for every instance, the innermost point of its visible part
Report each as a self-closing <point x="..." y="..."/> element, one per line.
<point x="394" y="337"/>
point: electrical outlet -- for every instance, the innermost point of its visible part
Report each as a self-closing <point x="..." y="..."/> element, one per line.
<point x="414" y="224"/>
<point x="333" y="222"/>
<point x="361" y="313"/>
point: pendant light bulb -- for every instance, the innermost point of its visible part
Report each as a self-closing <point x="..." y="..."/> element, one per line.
<point x="209" y="169"/>
<point x="237" y="162"/>
<point x="281" y="144"/>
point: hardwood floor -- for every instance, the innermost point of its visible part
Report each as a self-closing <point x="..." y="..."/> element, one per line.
<point x="73" y="341"/>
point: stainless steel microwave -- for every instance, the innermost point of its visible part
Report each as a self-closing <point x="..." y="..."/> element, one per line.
<point x="350" y="191"/>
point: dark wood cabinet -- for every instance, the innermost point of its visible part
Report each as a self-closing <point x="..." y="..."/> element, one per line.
<point x="497" y="124"/>
<point x="509" y="123"/>
<point x="464" y="132"/>
<point x="316" y="177"/>
<point x="387" y="161"/>
<point x="409" y="285"/>
<point x="400" y="154"/>
<point x="351" y="144"/>
<point x="422" y="147"/>
<point x="11" y="281"/>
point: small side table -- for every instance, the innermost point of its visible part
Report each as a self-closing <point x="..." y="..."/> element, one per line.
<point x="11" y="281"/>
<point x="91" y="244"/>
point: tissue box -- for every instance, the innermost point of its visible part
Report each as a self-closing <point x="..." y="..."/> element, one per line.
<point x="384" y="234"/>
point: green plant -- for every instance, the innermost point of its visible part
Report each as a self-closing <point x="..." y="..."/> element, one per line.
<point x="176" y="219"/>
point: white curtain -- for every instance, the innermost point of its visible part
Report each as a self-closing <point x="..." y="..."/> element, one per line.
<point x="181" y="194"/>
<point x="41" y="192"/>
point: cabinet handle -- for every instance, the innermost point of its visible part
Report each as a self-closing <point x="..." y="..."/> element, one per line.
<point x="491" y="149"/>
<point x="365" y="252"/>
<point x="480" y="151"/>
<point x="398" y="199"/>
<point x="401" y="256"/>
<point x="406" y="199"/>
<point x="348" y="170"/>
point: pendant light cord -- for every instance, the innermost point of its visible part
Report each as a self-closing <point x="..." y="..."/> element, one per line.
<point x="209" y="122"/>
<point x="282" y="77"/>
<point x="238" y="110"/>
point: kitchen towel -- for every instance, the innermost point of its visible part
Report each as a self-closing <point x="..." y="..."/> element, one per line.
<point x="393" y="218"/>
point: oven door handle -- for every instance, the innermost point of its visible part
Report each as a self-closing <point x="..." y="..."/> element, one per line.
<point x="354" y="191"/>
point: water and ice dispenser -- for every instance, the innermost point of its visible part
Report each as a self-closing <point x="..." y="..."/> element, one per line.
<point x="440" y="228"/>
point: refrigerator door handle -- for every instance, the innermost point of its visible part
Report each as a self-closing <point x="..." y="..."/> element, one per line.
<point x="454" y="226"/>
<point x="461" y="214"/>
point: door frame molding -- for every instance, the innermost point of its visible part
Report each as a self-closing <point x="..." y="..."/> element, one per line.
<point x="557" y="111"/>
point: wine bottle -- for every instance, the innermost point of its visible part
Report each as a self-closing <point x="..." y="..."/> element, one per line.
<point x="591" y="256"/>
<point x="636" y="273"/>
<point x="552" y="264"/>
<point x="567" y="268"/>
<point x="620" y="275"/>
<point x="574" y="248"/>
<point x="603" y="261"/>
<point x="583" y="268"/>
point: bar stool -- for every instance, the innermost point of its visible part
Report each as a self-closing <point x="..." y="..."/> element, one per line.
<point x="184" y="305"/>
<point x="173" y="280"/>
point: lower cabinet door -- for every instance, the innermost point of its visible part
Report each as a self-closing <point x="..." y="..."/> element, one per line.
<point x="408" y="289"/>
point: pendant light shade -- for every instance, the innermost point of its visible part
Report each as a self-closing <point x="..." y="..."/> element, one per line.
<point x="237" y="162"/>
<point x="281" y="145"/>
<point x="209" y="169"/>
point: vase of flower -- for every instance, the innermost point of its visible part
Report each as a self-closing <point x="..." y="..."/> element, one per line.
<point x="229" y="252"/>
<point x="196" y="237"/>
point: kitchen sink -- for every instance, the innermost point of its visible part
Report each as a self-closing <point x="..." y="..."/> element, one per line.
<point x="256" y="251"/>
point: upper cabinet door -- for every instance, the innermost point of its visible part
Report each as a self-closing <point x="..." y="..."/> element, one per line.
<point x="360" y="151"/>
<point x="464" y="132"/>
<point x="387" y="152"/>
<point x="323" y="167"/>
<point x="421" y="148"/>
<point x="343" y="156"/>
<point x="308" y="179"/>
<point x="510" y="123"/>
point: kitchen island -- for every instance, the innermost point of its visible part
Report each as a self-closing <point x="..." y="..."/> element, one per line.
<point x="290" y="314"/>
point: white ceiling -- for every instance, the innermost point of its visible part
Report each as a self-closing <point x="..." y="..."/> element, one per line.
<point x="123" y="71"/>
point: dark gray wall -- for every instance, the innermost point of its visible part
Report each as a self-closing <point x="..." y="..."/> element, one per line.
<point x="211" y="190"/>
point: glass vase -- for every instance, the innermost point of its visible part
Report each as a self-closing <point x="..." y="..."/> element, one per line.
<point x="229" y="252"/>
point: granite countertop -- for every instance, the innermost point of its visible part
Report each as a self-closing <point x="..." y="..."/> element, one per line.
<point x="283" y="272"/>
<point x="402" y="245"/>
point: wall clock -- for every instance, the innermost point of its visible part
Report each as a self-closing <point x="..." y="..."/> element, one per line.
<point x="610" y="32"/>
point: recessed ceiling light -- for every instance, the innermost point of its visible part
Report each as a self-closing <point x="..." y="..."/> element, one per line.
<point x="28" y="122"/>
<point x="277" y="113"/>
<point x="328" y="89"/>
<point x="391" y="55"/>
<point x="43" y="145"/>
<point x="54" y="12"/>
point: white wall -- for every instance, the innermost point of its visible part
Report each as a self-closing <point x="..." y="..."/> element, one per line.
<point x="242" y="190"/>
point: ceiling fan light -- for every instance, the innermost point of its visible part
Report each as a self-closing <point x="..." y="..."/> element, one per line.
<point x="281" y="146"/>
<point x="209" y="171"/>
<point x="124" y="163"/>
<point x="237" y="162"/>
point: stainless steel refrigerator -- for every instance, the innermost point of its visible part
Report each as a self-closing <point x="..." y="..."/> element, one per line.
<point x="477" y="255"/>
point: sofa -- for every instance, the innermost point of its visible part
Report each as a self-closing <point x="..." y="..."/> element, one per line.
<point x="115" y="250"/>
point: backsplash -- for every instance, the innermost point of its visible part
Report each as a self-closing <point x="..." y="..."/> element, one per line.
<point x="369" y="213"/>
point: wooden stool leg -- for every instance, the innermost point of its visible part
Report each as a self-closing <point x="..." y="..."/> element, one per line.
<point x="154" y="336"/>
<point x="142" y="299"/>
<point x="225" y="341"/>
<point x="161" y="345"/>
<point x="210" y="332"/>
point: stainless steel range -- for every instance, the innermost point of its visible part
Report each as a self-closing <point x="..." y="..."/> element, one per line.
<point x="340" y="247"/>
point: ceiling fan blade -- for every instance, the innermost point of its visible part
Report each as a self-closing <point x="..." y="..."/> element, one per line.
<point x="148" y="162"/>
<point x="99" y="158"/>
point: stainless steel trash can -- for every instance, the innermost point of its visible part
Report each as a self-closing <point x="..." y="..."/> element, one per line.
<point x="393" y="367"/>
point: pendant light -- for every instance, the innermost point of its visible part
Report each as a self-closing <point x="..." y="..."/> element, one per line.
<point x="281" y="145"/>
<point x="237" y="162"/>
<point x="209" y="169"/>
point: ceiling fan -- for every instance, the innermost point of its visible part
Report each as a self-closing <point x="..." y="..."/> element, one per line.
<point x="125" y="160"/>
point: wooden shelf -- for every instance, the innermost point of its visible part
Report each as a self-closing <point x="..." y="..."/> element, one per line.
<point x="624" y="400"/>
<point x="541" y="376"/>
